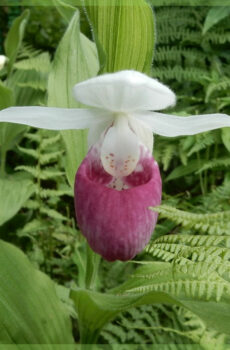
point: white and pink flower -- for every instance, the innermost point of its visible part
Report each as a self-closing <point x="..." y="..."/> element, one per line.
<point x="118" y="180"/>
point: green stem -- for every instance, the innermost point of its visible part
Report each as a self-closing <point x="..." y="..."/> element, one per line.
<point x="88" y="336"/>
<point x="206" y="171"/>
<point x="3" y="163"/>
<point x="200" y="176"/>
<point x="92" y="265"/>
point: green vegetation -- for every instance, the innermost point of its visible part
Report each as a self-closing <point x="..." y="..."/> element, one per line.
<point x="177" y="291"/>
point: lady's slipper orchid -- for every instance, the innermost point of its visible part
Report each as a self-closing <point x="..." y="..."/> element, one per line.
<point x="118" y="180"/>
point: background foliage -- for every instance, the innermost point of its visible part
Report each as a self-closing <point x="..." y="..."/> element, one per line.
<point x="191" y="260"/>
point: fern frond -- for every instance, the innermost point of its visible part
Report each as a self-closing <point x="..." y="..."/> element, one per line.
<point x="36" y="81"/>
<point x="167" y="155"/>
<point x="202" y="142"/>
<point x="39" y="63"/>
<point x="49" y="141"/>
<point x="53" y="214"/>
<point x="28" y="169"/>
<point x="30" y="152"/>
<point x="27" y="50"/>
<point x="179" y="73"/>
<point x="202" y="289"/>
<point x="43" y="174"/>
<point x="213" y="223"/>
<point x="47" y="193"/>
<point x="175" y="54"/>
<point x="31" y="204"/>
<point x="33" y="137"/>
<point x="46" y="158"/>
<point x="222" y="84"/>
<point x="217" y="37"/>
<point x="50" y="173"/>
<point x="215" y="163"/>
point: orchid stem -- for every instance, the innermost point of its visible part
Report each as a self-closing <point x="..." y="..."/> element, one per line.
<point x="92" y="265"/>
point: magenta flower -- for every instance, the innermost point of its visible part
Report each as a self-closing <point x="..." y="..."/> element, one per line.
<point x="113" y="213"/>
<point x="118" y="180"/>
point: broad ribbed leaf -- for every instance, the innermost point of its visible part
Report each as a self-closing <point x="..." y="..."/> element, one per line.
<point x="13" y="194"/>
<point x="75" y="60"/>
<point x="125" y="32"/>
<point x="30" y="311"/>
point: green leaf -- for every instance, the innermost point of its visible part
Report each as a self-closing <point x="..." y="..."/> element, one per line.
<point x="75" y="60"/>
<point x="10" y="134"/>
<point x="30" y="311"/>
<point x="183" y="170"/>
<point x="225" y="135"/>
<point x="96" y="309"/>
<point x="194" y="274"/>
<point x="14" y="193"/>
<point x="40" y="63"/>
<point x="6" y="96"/>
<point x="66" y="10"/>
<point x="125" y="32"/>
<point x="14" y="38"/>
<point x="214" y="16"/>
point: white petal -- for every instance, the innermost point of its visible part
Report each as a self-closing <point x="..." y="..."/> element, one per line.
<point x="52" y="118"/>
<point x="120" y="150"/>
<point x="124" y="91"/>
<point x="171" y="125"/>
<point x="96" y="130"/>
<point x="143" y="132"/>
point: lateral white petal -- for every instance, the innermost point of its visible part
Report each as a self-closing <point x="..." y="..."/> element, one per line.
<point x="52" y="118"/>
<point x="124" y="91"/>
<point x="171" y="125"/>
<point x="120" y="149"/>
<point x="143" y="132"/>
<point x="96" y="130"/>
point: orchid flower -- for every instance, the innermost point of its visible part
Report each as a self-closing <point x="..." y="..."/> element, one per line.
<point x="118" y="180"/>
<point x="3" y="60"/>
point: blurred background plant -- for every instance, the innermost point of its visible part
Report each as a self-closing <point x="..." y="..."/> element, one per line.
<point x="36" y="203"/>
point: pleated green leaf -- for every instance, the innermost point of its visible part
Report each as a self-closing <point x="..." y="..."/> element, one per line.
<point x="30" y="311"/>
<point x="125" y="32"/>
<point x="75" y="60"/>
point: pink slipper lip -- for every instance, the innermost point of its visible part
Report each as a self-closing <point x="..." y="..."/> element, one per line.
<point x="117" y="224"/>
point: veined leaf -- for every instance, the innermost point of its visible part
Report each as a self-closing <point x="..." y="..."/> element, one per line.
<point x="125" y="33"/>
<point x="30" y="311"/>
<point x="75" y="60"/>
